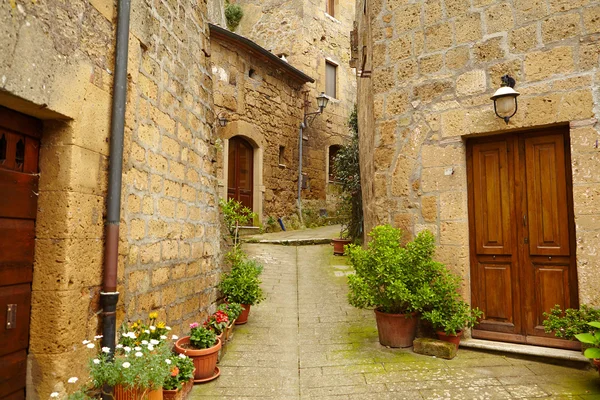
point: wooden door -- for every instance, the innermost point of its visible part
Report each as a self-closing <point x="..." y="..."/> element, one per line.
<point x="19" y="144"/>
<point x="240" y="180"/>
<point x="520" y="213"/>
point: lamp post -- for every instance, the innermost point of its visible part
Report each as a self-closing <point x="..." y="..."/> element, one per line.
<point x="222" y="119"/>
<point x="505" y="99"/>
<point x="322" y="101"/>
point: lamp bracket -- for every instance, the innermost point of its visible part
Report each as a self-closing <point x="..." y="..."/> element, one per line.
<point x="508" y="80"/>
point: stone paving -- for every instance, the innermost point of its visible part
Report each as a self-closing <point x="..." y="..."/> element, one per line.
<point x="306" y="342"/>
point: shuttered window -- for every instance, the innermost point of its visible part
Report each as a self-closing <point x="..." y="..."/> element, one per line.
<point x="330" y="7"/>
<point x="331" y="80"/>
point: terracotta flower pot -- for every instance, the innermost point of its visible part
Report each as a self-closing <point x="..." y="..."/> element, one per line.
<point x="338" y="245"/>
<point x="396" y="330"/>
<point x="179" y="394"/>
<point x="243" y="318"/>
<point x="205" y="360"/>
<point x="450" y="338"/>
<point x="596" y="362"/>
<point x="229" y="331"/>
<point x="122" y="393"/>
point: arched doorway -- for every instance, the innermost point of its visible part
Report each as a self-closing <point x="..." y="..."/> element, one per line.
<point x="240" y="171"/>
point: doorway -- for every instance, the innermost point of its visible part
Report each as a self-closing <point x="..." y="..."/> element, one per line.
<point x="240" y="171"/>
<point x="19" y="148"/>
<point x="522" y="233"/>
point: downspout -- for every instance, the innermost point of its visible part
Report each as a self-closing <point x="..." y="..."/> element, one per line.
<point x="302" y="126"/>
<point x="109" y="295"/>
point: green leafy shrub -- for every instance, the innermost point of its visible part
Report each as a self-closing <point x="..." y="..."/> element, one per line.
<point x="592" y="339"/>
<point x="347" y="172"/>
<point x="182" y="370"/>
<point x="233" y="310"/>
<point x="573" y="321"/>
<point x="235" y="214"/>
<point x="233" y="15"/>
<point x="201" y="337"/>
<point x="389" y="277"/>
<point x="242" y="285"/>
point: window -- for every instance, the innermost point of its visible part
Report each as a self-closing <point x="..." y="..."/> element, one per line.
<point x="281" y="155"/>
<point x="331" y="80"/>
<point x="333" y="151"/>
<point x="331" y="7"/>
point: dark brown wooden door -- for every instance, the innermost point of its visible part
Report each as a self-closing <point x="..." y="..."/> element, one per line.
<point x="240" y="171"/>
<point x="19" y="144"/>
<point x="520" y="211"/>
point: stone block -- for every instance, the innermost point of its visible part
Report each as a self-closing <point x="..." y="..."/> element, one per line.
<point x="455" y="8"/>
<point x="453" y="206"/>
<point x="432" y="89"/>
<point x="558" y="6"/>
<point x="576" y="105"/>
<point x="433" y="12"/>
<point x="401" y="176"/>
<point x="407" y="17"/>
<point x="523" y="39"/>
<point x="438" y="37"/>
<point x="454" y="233"/>
<point x="591" y="19"/>
<point x="560" y="27"/>
<point x="467" y="28"/>
<point x="400" y="48"/>
<point x="434" y="347"/>
<point x="137" y="229"/>
<point x="489" y="50"/>
<point x="543" y="64"/>
<point x="529" y="10"/>
<point x="457" y="57"/>
<point x="431" y="64"/>
<point x="586" y="199"/>
<point x="437" y="156"/>
<point x="499" y="18"/>
<point x="436" y="179"/>
<point x="454" y="123"/>
<point x="470" y="83"/>
<point x="429" y="208"/>
<point x="397" y="103"/>
<point x="407" y="69"/>
<point x="48" y="373"/>
<point x="583" y="140"/>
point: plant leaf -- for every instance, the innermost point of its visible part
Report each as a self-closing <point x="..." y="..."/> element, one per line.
<point x="592" y="352"/>
<point x="595" y="324"/>
<point x="586" y="338"/>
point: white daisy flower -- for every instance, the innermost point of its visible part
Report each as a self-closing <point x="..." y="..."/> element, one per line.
<point x="106" y="350"/>
<point x="150" y="347"/>
<point x="137" y="348"/>
<point x="54" y="394"/>
<point x="73" y="379"/>
<point x="144" y="342"/>
<point x="97" y="337"/>
<point x="84" y="342"/>
<point x="91" y="345"/>
<point x="182" y="356"/>
<point x="152" y="328"/>
<point x="119" y="346"/>
<point x="147" y="331"/>
<point x="96" y="361"/>
<point x="126" y="364"/>
<point x="138" y="354"/>
<point x="175" y="337"/>
<point x="127" y="349"/>
<point x="163" y="337"/>
<point x="168" y="328"/>
<point x="168" y="361"/>
<point x="154" y="342"/>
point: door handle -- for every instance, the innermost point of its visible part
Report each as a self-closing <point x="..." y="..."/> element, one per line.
<point x="524" y="220"/>
<point x="11" y="316"/>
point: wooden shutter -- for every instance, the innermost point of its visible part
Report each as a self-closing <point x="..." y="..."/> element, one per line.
<point x="331" y="80"/>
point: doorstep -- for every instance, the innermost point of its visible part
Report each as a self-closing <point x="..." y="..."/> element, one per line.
<point x="524" y="349"/>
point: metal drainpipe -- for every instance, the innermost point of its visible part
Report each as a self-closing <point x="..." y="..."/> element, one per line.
<point x="109" y="295"/>
<point x="302" y="126"/>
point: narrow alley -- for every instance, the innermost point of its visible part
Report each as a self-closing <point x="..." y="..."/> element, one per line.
<point x="305" y="341"/>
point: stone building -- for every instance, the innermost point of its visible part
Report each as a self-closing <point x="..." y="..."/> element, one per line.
<point x="262" y="96"/>
<point x="313" y="36"/>
<point x="56" y="73"/>
<point x="515" y="206"/>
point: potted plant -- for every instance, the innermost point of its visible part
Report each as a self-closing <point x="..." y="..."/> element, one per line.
<point x="593" y="340"/>
<point x="217" y="323"/>
<point x="233" y="311"/>
<point x="394" y="280"/>
<point x="342" y="241"/>
<point x="242" y="285"/>
<point x="202" y="346"/>
<point x="571" y="322"/>
<point x="181" y="380"/>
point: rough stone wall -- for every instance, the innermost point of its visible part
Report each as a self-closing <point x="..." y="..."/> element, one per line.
<point x="56" y="65"/>
<point x="304" y="32"/>
<point x="265" y="109"/>
<point x="435" y="65"/>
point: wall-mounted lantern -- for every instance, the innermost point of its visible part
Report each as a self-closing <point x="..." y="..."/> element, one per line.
<point x="222" y="119"/>
<point x="322" y="101"/>
<point x="505" y="99"/>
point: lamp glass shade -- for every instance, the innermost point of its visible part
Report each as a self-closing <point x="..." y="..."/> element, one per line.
<point x="322" y="100"/>
<point x="505" y="105"/>
<point x="223" y="121"/>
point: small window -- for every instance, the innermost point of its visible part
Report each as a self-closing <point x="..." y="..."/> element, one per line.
<point x="282" y="155"/>
<point x="333" y="151"/>
<point x="251" y="73"/>
<point x="331" y="80"/>
<point x="20" y="154"/>
<point x="331" y="7"/>
<point x="3" y="148"/>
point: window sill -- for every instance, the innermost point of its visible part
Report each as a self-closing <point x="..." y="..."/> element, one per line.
<point x="331" y="17"/>
<point x="282" y="166"/>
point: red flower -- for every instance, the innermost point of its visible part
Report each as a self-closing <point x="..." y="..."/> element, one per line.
<point x="175" y="371"/>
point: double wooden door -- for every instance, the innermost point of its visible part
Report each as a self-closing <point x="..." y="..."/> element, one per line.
<point x="19" y="144"/>
<point x="522" y="233"/>
<point x="240" y="171"/>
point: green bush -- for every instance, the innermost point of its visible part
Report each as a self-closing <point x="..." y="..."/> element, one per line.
<point x="392" y="278"/>
<point x="567" y="324"/>
<point x="201" y="337"/>
<point x="242" y="285"/>
<point x="233" y="15"/>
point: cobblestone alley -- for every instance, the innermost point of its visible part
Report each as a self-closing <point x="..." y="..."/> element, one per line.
<point x="306" y="342"/>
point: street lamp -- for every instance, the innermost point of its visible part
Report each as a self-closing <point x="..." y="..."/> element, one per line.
<point x="505" y="99"/>
<point x="222" y="119"/>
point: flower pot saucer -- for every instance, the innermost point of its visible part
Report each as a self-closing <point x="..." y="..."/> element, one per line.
<point x="215" y="376"/>
<point x="241" y="323"/>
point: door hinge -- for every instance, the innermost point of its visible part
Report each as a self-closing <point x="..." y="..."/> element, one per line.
<point x="11" y="316"/>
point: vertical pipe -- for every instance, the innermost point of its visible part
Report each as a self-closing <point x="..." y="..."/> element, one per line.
<point x="302" y="126"/>
<point x="109" y="295"/>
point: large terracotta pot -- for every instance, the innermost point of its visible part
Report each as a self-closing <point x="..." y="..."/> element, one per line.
<point x="338" y="245"/>
<point x="243" y="318"/>
<point x="205" y="360"/>
<point x="396" y="330"/>
<point x="122" y="393"/>
<point x="450" y="338"/>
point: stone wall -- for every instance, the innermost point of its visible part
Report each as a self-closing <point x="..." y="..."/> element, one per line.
<point x="266" y="110"/>
<point x="435" y="65"/>
<point x="308" y="36"/>
<point x="57" y="66"/>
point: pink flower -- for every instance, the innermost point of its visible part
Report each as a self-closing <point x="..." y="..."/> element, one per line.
<point x="194" y="325"/>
